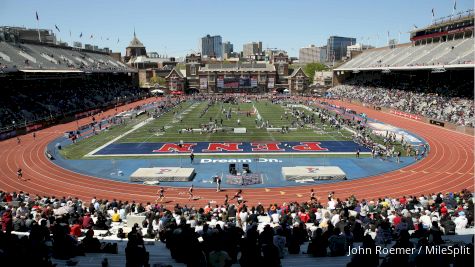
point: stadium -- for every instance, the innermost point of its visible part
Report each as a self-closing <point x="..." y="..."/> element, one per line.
<point x="89" y="157"/>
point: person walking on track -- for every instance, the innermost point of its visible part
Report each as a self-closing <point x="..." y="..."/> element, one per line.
<point x="161" y="194"/>
<point x="312" y="195"/>
<point x="218" y="184"/>
<point x="238" y="196"/>
<point x="190" y="192"/>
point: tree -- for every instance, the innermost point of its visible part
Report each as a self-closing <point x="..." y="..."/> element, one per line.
<point x="310" y="69"/>
<point x="157" y="79"/>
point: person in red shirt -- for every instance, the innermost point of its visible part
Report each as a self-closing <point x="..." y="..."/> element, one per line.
<point x="396" y="220"/>
<point x="403" y="201"/>
<point x="76" y="229"/>
<point x="87" y="221"/>
<point x="303" y="216"/>
<point x="443" y="209"/>
<point x="7" y="221"/>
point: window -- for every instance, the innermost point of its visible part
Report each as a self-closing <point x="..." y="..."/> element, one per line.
<point x="281" y="69"/>
<point x="193" y="69"/>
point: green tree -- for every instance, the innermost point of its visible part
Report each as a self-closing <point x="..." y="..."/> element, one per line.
<point x="310" y="69"/>
<point x="159" y="80"/>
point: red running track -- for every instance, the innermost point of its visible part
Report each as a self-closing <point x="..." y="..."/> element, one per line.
<point x="448" y="167"/>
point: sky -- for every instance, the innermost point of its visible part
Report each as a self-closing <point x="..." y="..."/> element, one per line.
<point x="173" y="27"/>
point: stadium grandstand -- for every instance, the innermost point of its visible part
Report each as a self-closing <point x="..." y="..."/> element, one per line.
<point x="44" y="83"/>
<point x="432" y="76"/>
<point x="66" y="198"/>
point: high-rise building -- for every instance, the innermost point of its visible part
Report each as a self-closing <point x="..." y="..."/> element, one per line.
<point x="212" y="46"/>
<point x="251" y="49"/>
<point x="227" y="49"/>
<point x="336" y="47"/>
<point x="312" y="54"/>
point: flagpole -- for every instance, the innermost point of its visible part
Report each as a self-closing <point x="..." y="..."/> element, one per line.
<point x="454" y="8"/>
<point x="38" y="29"/>
<point x="38" y="26"/>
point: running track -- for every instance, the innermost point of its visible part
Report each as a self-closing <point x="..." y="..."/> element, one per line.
<point x="448" y="167"/>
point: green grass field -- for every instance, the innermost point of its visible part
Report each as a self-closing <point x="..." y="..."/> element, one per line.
<point x="269" y="112"/>
<point x="187" y="115"/>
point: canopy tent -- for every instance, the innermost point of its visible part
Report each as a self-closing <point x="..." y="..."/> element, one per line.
<point x="157" y="91"/>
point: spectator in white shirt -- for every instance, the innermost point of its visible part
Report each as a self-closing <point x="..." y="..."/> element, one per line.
<point x="461" y="221"/>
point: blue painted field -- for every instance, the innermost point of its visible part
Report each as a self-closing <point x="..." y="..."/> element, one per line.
<point x="230" y="147"/>
<point x="206" y="167"/>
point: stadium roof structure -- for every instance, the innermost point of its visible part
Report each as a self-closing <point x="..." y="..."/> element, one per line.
<point x="51" y="71"/>
<point x="145" y="59"/>
<point x="448" y="55"/>
<point x="237" y="67"/>
<point x="47" y="58"/>
<point x="448" y="20"/>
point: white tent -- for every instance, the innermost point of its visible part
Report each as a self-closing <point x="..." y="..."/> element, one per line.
<point x="157" y="91"/>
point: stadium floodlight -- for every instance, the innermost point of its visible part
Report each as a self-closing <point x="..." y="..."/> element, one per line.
<point x="438" y="70"/>
<point x="356" y="71"/>
<point x="386" y="71"/>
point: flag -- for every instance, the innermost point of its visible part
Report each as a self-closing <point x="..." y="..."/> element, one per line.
<point x="455" y="5"/>
<point x="433" y="14"/>
<point x="80" y="36"/>
<point x="69" y="33"/>
<point x="117" y="39"/>
<point x="56" y="26"/>
<point x="107" y="38"/>
<point x="415" y="27"/>
<point x="92" y="36"/>
<point x="37" y="17"/>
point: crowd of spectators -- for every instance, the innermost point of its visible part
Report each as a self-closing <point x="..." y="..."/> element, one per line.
<point x="435" y="106"/>
<point x="47" y="100"/>
<point x="222" y="234"/>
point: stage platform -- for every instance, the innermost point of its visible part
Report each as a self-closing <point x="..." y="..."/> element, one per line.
<point x="163" y="174"/>
<point x="313" y="172"/>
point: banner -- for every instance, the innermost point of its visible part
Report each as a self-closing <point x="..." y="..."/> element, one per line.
<point x="6" y="135"/>
<point x="220" y="82"/>
<point x="253" y="81"/>
<point x="203" y="83"/>
<point x="270" y="83"/>
<point x="438" y="123"/>
<point x="33" y="127"/>
<point x="405" y="115"/>
<point x="86" y="113"/>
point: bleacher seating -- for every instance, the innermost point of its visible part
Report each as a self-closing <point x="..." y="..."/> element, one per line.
<point x="459" y="51"/>
<point x="35" y="56"/>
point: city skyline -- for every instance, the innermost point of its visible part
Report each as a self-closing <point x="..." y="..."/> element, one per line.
<point x="174" y="28"/>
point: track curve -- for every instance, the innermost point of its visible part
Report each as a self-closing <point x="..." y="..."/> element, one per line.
<point x="448" y="167"/>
